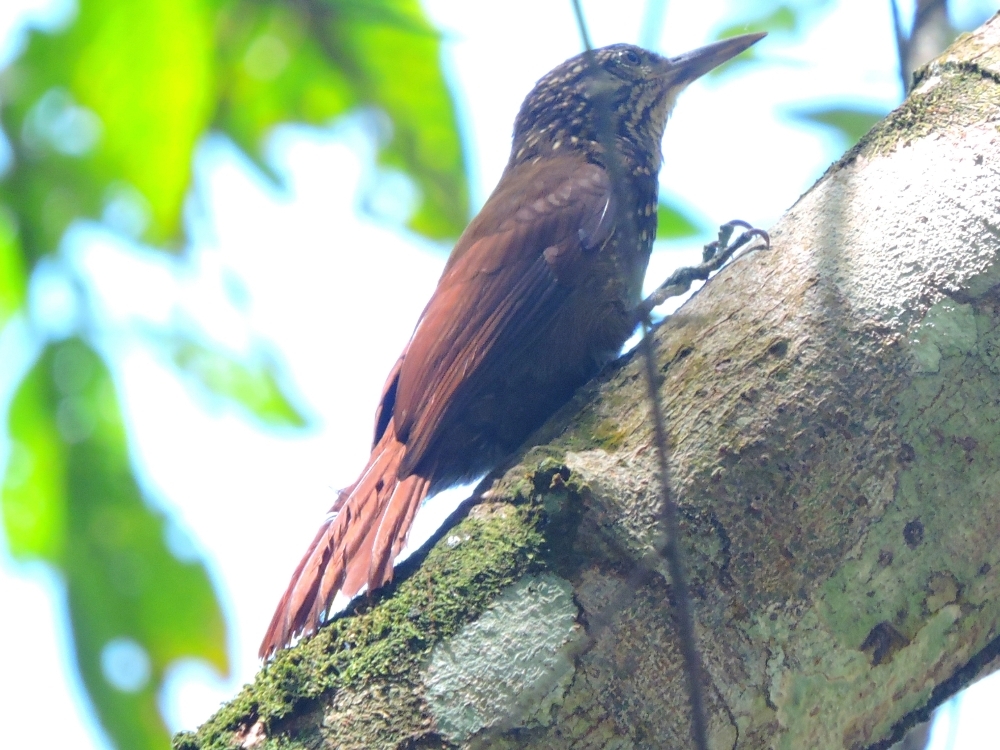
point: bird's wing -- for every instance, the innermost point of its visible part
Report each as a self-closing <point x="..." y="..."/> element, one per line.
<point x="507" y="276"/>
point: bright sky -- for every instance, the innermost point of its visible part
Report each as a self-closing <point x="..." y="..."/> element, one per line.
<point x="336" y="295"/>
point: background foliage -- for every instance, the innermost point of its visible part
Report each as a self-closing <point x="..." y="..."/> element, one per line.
<point x="103" y="118"/>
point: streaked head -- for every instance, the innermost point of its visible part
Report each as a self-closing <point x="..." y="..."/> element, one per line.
<point x="636" y="87"/>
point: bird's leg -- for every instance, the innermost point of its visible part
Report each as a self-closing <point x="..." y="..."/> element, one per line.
<point x="714" y="256"/>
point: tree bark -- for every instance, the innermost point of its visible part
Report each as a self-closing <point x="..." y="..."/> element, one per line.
<point x="833" y="406"/>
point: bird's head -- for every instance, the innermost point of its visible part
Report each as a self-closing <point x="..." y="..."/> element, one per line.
<point x="622" y="89"/>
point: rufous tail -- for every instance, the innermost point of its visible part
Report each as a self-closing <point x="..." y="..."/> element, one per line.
<point x="363" y="533"/>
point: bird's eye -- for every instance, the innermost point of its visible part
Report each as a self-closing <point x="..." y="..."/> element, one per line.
<point x="630" y="57"/>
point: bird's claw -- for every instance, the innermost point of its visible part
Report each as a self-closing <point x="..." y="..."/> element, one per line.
<point x="712" y="249"/>
<point x="714" y="256"/>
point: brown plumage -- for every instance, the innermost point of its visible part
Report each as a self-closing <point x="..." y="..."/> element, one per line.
<point x="539" y="293"/>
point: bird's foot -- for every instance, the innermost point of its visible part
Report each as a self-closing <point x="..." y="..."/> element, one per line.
<point x="714" y="256"/>
<point x="711" y="251"/>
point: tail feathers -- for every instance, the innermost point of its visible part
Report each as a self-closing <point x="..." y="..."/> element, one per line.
<point x="385" y="541"/>
<point x="357" y="543"/>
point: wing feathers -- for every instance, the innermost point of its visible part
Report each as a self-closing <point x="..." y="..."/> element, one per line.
<point x="506" y="278"/>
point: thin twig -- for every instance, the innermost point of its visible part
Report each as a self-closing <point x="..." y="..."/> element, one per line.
<point x="581" y="24"/>
<point x="902" y="46"/>
<point x="668" y="510"/>
<point x="672" y="550"/>
<point x="929" y="34"/>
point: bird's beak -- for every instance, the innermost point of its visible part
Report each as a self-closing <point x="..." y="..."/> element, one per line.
<point x="683" y="69"/>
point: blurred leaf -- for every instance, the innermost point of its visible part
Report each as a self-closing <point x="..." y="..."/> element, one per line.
<point x="783" y="18"/>
<point x="672" y="223"/>
<point x="850" y="123"/>
<point x="786" y="19"/>
<point x="313" y="60"/>
<point x="12" y="280"/>
<point x="399" y="70"/>
<point x="108" y="110"/>
<point x="253" y="386"/>
<point x="119" y="97"/>
<point x="70" y="498"/>
<point x="34" y="488"/>
<point x="273" y="69"/>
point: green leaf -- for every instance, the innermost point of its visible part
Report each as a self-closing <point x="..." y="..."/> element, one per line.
<point x="70" y="498"/>
<point x="309" y="62"/>
<point x="118" y="98"/>
<point x="673" y="223"/>
<point x="34" y="499"/>
<point x="12" y="278"/>
<point x="253" y="385"/>
<point x="782" y="18"/>
<point x="850" y="122"/>
<point x="398" y="69"/>
<point x="274" y="69"/>
<point x="106" y="113"/>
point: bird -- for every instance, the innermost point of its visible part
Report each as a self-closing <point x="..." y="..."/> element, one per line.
<point x="540" y="292"/>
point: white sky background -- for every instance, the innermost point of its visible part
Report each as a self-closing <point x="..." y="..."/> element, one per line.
<point x="336" y="294"/>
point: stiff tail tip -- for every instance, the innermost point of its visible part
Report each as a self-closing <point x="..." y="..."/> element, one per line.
<point x="356" y="546"/>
